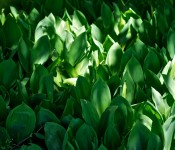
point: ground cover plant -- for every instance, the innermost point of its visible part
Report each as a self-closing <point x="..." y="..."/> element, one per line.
<point x="87" y="75"/>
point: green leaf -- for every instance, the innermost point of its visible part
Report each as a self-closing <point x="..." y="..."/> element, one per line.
<point x="100" y="96"/>
<point x="86" y="138"/>
<point x="54" y="135"/>
<point x="169" y="82"/>
<point x="135" y="70"/>
<point x="41" y="51"/>
<point x="3" y="109"/>
<point x="31" y="147"/>
<point x="138" y="137"/>
<point x="90" y="114"/>
<point x="159" y="102"/>
<point x="20" y="122"/>
<point x="4" y="138"/>
<point x="170" y="43"/>
<point x="102" y="147"/>
<point x="96" y="33"/>
<point x="39" y="73"/>
<point x="79" y="19"/>
<point x="107" y="15"/>
<point x="111" y="138"/>
<point x="54" y="6"/>
<point x="82" y="88"/>
<point x="24" y="55"/>
<point x="45" y="115"/>
<point x="12" y="33"/>
<point x="113" y="58"/>
<point x="155" y="142"/>
<point x="169" y="130"/>
<point x="77" y="49"/>
<point x="152" y="58"/>
<point x="69" y="107"/>
<point x="8" y="78"/>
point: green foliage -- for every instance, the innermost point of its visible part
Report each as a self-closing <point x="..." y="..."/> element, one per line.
<point x="73" y="77"/>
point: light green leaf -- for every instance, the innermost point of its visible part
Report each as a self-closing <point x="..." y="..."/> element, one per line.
<point x="20" y="122"/>
<point x="169" y="131"/>
<point x="77" y="49"/>
<point x="170" y="43"/>
<point x="100" y="96"/>
<point x="169" y="82"/>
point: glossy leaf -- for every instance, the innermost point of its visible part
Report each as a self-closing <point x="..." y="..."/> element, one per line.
<point x="100" y="96"/>
<point x="54" y="135"/>
<point x="113" y="58"/>
<point x="20" y="122"/>
<point x="77" y="49"/>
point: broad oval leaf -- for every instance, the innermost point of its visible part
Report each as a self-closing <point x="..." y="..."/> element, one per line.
<point x="135" y="70"/>
<point x="41" y="51"/>
<point x="8" y="78"/>
<point x="20" y="122"/>
<point x="54" y="135"/>
<point x="113" y="58"/>
<point x="100" y="96"/>
<point x="77" y="49"/>
<point x="86" y="138"/>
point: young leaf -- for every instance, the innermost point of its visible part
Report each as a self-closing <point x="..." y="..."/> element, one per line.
<point x="100" y="96"/>
<point x="54" y="135"/>
<point x="20" y="122"/>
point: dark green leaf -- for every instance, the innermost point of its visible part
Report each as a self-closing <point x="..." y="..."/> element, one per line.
<point x="4" y="138"/>
<point x="31" y="147"/>
<point x="90" y="114"/>
<point x="3" y="109"/>
<point x="8" y="78"/>
<point x="86" y="138"/>
<point x="20" y="122"/>
<point x="54" y="135"/>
